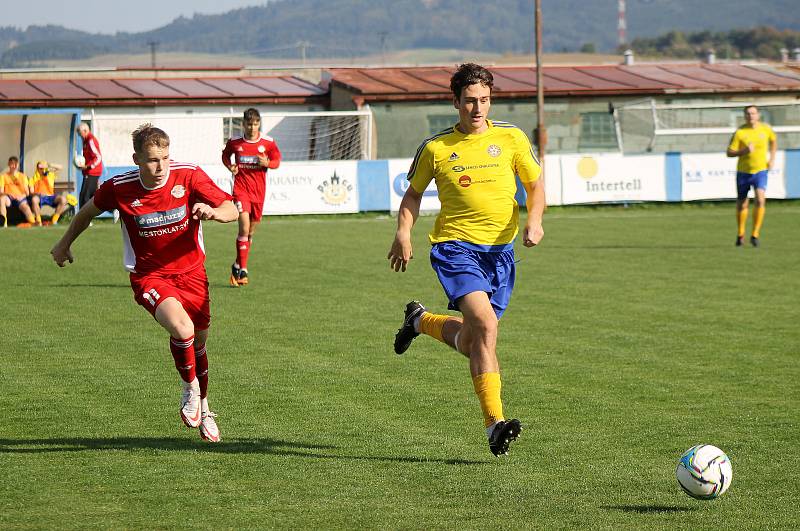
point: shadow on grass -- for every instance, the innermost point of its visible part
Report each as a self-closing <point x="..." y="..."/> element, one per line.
<point x="87" y="285"/>
<point x="649" y="509"/>
<point x="230" y="446"/>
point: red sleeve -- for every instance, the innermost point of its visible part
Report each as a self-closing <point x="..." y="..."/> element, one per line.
<point x="274" y="155"/>
<point x="226" y="154"/>
<point x="104" y="197"/>
<point x="205" y="191"/>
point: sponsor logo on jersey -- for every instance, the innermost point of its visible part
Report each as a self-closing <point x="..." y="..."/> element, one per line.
<point x="458" y="169"/>
<point x="160" y="218"/>
<point x="335" y="191"/>
<point x="136" y="203"/>
<point x="249" y="161"/>
<point x="494" y="150"/>
<point x="464" y="181"/>
<point x="453" y="157"/>
<point x="178" y="191"/>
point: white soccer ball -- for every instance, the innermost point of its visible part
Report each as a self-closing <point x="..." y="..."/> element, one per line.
<point x="79" y="161"/>
<point x="704" y="472"/>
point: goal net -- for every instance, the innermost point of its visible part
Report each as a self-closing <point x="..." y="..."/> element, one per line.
<point x="695" y="127"/>
<point x="199" y="136"/>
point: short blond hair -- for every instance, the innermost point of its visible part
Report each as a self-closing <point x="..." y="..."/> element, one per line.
<point x="149" y="135"/>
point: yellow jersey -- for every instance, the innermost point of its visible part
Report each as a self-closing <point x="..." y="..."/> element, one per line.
<point x="474" y="176"/>
<point x="14" y="184"/>
<point x="760" y="136"/>
<point x="43" y="184"/>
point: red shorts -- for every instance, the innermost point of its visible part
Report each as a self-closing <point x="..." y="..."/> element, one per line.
<point x="189" y="288"/>
<point x="249" y="204"/>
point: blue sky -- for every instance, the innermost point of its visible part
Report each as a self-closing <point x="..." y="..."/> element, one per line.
<point x="110" y="16"/>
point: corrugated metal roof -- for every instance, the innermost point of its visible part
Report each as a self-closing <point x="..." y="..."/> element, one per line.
<point x="375" y="84"/>
<point x="158" y="91"/>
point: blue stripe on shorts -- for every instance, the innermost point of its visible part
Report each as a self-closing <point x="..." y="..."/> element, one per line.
<point x="462" y="270"/>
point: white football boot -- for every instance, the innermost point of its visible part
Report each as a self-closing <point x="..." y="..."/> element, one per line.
<point x="190" y="404"/>
<point x="209" y="431"/>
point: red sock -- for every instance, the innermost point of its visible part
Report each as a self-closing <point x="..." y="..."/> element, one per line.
<point x="242" y="250"/>
<point x="183" y="354"/>
<point x="202" y="368"/>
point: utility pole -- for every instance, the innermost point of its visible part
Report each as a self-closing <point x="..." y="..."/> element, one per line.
<point x="382" y="35"/>
<point x="541" y="132"/>
<point x="303" y="45"/>
<point x="153" y="45"/>
<point x="622" y="25"/>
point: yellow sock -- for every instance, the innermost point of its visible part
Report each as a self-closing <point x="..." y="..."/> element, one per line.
<point x="741" y="218"/>
<point x="758" y="220"/>
<point x="54" y="219"/>
<point x="31" y="220"/>
<point x="432" y="325"/>
<point x="38" y="219"/>
<point x="487" y="387"/>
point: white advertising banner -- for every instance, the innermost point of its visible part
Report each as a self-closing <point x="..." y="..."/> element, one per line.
<point x="398" y="184"/>
<point x="612" y="177"/>
<point x="713" y="176"/>
<point x="325" y="187"/>
<point x="552" y="180"/>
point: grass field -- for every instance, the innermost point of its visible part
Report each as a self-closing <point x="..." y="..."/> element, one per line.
<point x="632" y="335"/>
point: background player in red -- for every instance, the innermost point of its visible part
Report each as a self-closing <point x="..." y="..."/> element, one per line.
<point x="92" y="166"/>
<point x="161" y="205"/>
<point x="253" y="153"/>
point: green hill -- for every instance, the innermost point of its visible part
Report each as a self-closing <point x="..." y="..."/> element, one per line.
<point x="353" y="28"/>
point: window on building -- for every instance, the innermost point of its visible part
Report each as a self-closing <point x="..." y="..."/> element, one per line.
<point x="233" y="127"/>
<point x="439" y="122"/>
<point x="597" y="131"/>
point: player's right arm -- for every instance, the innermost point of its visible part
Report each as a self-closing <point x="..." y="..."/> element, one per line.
<point x="61" y="251"/>
<point x="737" y="147"/>
<point x="401" y="252"/>
<point x="226" y="159"/>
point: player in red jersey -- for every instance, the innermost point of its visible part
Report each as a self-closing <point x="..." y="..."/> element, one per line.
<point x="254" y="154"/>
<point x="161" y="205"/>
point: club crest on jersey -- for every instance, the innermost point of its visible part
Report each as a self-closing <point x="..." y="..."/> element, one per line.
<point x="261" y="149"/>
<point x="494" y="150"/>
<point x="453" y="157"/>
<point x="178" y="191"/>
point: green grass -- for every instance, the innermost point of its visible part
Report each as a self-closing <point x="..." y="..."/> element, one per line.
<point x="632" y="335"/>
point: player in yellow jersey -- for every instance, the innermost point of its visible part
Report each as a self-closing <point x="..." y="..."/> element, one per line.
<point x="14" y="192"/>
<point x="43" y="188"/>
<point x="750" y="143"/>
<point x="474" y="165"/>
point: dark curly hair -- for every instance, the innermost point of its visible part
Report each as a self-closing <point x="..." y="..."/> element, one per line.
<point x="470" y="74"/>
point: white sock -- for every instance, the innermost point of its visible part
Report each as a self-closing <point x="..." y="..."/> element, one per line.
<point x="204" y="405"/>
<point x="194" y="385"/>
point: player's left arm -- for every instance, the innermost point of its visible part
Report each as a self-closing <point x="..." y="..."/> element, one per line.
<point x="527" y="167"/>
<point x="272" y="158"/>
<point x="224" y="213"/>
<point x="773" y="149"/>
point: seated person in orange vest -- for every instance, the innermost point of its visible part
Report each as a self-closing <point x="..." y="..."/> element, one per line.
<point x="15" y="192"/>
<point x="43" y="187"/>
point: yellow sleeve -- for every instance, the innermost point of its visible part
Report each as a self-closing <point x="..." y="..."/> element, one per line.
<point x="422" y="168"/>
<point x="526" y="165"/>
<point x="736" y="142"/>
<point x="771" y="134"/>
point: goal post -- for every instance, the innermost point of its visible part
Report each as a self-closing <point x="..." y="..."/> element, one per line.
<point x="647" y="125"/>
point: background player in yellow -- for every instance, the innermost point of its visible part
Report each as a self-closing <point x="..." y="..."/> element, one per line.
<point x="14" y="191"/>
<point x="750" y="143"/>
<point x="43" y="191"/>
<point x="474" y="165"/>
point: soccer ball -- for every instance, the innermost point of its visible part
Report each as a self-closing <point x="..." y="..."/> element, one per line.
<point x="704" y="472"/>
<point x="79" y="161"/>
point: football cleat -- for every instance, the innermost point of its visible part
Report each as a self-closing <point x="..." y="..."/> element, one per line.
<point x="209" y="431"/>
<point x="243" y="277"/>
<point x="503" y="433"/>
<point x="406" y="334"/>
<point x="754" y="241"/>
<point x="234" y="280"/>
<point x="190" y="405"/>
<point x="739" y="241"/>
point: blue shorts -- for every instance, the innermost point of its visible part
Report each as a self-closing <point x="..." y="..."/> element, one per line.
<point x="17" y="202"/>
<point x="47" y="200"/>
<point x="463" y="268"/>
<point x="744" y="181"/>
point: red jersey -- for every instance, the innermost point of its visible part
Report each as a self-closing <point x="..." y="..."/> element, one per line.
<point x="251" y="179"/>
<point x="158" y="231"/>
<point x="94" y="160"/>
